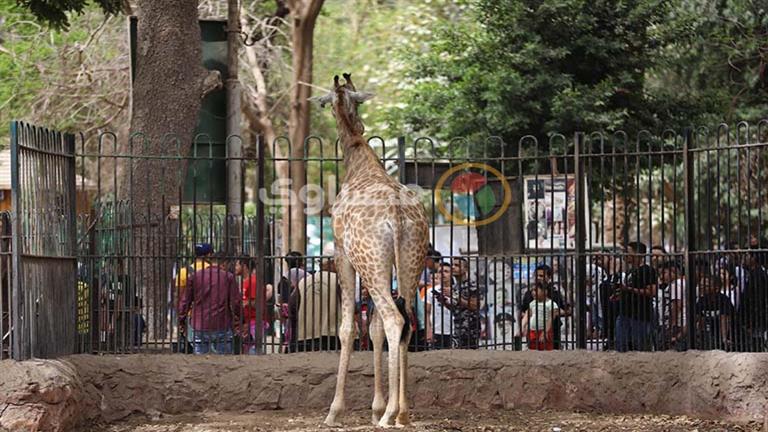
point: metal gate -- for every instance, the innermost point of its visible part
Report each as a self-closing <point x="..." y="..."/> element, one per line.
<point x="44" y="262"/>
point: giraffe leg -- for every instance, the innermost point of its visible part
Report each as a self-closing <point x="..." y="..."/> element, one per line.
<point x="377" y="337"/>
<point x="393" y="327"/>
<point x="409" y="267"/>
<point x="403" y="416"/>
<point x="346" y="335"/>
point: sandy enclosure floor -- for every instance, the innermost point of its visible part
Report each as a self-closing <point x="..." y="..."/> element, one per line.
<point x="433" y="420"/>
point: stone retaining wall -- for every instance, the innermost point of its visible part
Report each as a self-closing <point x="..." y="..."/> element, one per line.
<point x="80" y="390"/>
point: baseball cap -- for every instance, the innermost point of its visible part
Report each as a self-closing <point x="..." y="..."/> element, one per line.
<point x="202" y="249"/>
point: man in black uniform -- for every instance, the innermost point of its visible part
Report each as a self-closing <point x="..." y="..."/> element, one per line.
<point x="633" y="324"/>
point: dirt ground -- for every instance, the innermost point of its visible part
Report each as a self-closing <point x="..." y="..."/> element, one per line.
<point x="428" y="420"/>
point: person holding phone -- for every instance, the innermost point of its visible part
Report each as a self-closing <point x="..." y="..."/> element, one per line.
<point x="440" y="318"/>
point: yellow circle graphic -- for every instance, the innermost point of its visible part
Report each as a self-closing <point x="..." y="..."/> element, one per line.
<point x="465" y="166"/>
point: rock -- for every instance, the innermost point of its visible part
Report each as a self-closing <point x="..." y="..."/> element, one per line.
<point x="39" y="395"/>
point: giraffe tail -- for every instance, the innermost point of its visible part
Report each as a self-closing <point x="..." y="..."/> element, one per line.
<point x="400" y="301"/>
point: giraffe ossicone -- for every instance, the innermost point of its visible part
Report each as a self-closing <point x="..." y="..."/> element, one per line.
<point x="378" y="225"/>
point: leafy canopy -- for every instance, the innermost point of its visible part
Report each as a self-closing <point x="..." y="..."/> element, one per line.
<point x="719" y="56"/>
<point x="523" y="67"/>
<point x="54" y="12"/>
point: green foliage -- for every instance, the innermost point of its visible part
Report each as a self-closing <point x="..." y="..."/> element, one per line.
<point x="718" y="55"/>
<point x="55" y="12"/>
<point x="542" y="66"/>
<point x="459" y="68"/>
<point x="361" y="37"/>
<point x="75" y="80"/>
<point x="18" y="37"/>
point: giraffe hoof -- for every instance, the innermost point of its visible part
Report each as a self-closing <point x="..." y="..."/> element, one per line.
<point x="332" y="423"/>
<point x="391" y="426"/>
<point x="376" y="415"/>
<point x="403" y="420"/>
<point x="385" y="422"/>
<point x="336" y="410"/>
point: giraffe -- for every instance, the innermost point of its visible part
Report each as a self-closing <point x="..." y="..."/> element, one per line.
<point x="377" y="223"/>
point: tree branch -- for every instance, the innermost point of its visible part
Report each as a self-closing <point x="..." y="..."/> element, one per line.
<point x="313" y="8"/>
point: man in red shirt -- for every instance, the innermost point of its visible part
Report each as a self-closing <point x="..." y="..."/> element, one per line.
<point x="216" y="303"/>
<point x="250" y="288"/>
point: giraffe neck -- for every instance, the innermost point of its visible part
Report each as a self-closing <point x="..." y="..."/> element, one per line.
<point x="359" y="158"/>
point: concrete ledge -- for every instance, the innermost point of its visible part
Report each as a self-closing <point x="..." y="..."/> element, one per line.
<point x="78" y="390"/>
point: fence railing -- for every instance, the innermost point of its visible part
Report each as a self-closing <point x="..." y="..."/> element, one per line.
<point x="566" y="212"/>
<point x="5" y="285"/>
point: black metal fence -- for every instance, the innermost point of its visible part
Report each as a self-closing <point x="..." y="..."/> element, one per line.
<point x="5" y="284"/>
<point x="595" y="241"/>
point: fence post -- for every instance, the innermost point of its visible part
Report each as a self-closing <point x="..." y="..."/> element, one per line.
<point x="19" y="348"/>
<point x="690" y="233"/>
<point x="94" y="326"/>
<point x="401" y="158"/>
<point x="69" y="144"/>
<point x="581" y="263"/>
<point x="260" y="267"/>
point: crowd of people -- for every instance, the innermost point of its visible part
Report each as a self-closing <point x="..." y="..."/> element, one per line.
<point x="214" y="313"/>
<point x="647" y="305"/>
<point x="637" y="300"/>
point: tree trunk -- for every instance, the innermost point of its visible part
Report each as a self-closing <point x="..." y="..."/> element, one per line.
<point x="258" y="119"/>
<point x="257" y="111"/>
<point x="168" y="87"/>
<point x="304" y="16"/>
<point x="170" y="82"/>
<point x="234" y="142"/>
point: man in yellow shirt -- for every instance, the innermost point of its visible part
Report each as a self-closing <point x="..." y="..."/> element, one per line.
<point x="203" y="253"/>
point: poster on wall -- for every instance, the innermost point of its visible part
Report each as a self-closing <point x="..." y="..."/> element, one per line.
<point x="550" y="212"/>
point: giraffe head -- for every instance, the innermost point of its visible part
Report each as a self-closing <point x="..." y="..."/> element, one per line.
<point x="344" y="100"/>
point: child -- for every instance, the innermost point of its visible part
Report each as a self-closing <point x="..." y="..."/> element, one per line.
<point x="537" y="321"/>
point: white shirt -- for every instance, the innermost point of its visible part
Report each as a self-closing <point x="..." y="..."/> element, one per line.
<point x="539" y="313"/>
<point x="741" y="283"/>
<point x="596" y="275"/>
<point x="677" y="291"/>
<point x="442" y="317"/>
<point x="663" y="303"/>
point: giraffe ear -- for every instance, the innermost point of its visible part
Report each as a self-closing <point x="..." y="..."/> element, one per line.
<point x="360" y="97"/>
<point x="322" y="100"/>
